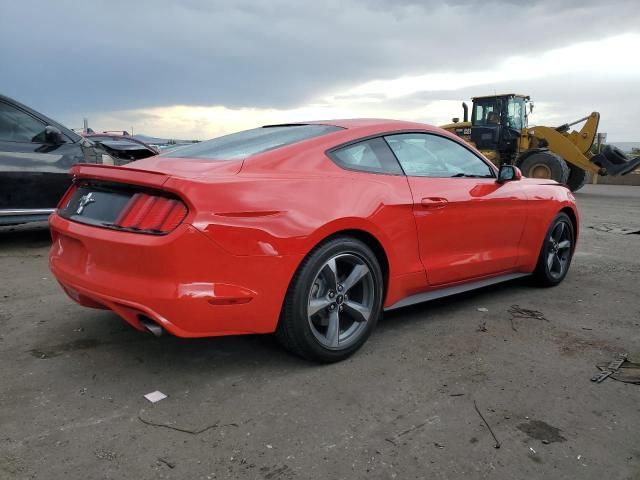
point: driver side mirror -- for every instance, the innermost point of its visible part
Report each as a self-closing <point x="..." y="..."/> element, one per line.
<point x="509" y="173"/>
<point x="53" y="136"/>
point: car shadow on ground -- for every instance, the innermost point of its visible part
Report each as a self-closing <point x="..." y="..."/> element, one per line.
<point x="102" y="334"/>
<point x="34" y="235"/>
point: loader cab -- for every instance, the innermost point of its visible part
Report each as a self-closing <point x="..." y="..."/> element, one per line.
<point x="497" y="121"/>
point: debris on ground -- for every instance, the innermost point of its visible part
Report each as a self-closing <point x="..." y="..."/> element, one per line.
<point x="482" y="327"/>
<point x="615" y="228"/>
<point x="185" y="430"/>
<point x="497" y="445"/>
<point x="518" y="312"/>
<point x="105" y="455"/>
<point x="167" y="462"/>
<point x="620" y="369"/>
<point x="482" y="309"/>
<point x="156" y="396"/>
<point x="412" y="428"/>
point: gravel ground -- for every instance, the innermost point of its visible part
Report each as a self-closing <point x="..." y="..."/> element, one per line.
<point x="73" y="379"/>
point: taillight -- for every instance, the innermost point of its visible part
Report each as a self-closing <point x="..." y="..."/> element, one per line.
<point x="151" y="213"/>
<point x="64" y="201"/>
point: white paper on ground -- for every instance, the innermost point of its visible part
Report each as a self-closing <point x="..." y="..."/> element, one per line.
<point x="156" y="396"/>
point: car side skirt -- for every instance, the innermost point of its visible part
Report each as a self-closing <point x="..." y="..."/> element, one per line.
<point x="26" y="211"/>
<point x="18" y="216"/>
<point x="453" y="290"/>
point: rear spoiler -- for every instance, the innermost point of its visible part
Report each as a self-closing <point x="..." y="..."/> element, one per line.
<point x="112" y="173"/>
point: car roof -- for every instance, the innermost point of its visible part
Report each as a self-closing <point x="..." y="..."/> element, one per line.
<point x="374" y="124"/>
<point x="480" y="97"/>
<point x="297" y="157"/>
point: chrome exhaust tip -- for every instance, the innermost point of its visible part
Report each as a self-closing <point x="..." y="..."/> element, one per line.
<point x="151" y="326"/>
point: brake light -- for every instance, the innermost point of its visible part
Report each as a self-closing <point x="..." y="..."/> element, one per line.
<point x="151" y="213"/>
<point x="64" y="201"/>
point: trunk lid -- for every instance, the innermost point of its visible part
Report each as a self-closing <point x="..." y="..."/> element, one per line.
<point x="103" y="195"/>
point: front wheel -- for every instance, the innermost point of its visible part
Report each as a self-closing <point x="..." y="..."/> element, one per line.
<point x="544" y="165"/>
<point x="577" y="178"/>
<point x="556" y="252"/>
<point x="333" y="302"/>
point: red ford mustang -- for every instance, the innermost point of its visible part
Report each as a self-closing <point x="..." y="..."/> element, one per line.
<point x="307" y="230"/>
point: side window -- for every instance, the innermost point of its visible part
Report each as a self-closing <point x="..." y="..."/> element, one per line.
<point x="485" y="114"/>
<point x="18" y="126"/>
<point x="425" y="155"/>
<point x="371" y="155"/>
<point x="515" y="114"/>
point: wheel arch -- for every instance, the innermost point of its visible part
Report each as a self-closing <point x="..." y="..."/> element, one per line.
<point x="370" y="241"/>
<point x="365" y="236"/>
<point x="574" y="222"/>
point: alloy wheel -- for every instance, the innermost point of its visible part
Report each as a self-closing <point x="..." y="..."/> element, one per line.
<point x="559" y="249"/>
<point x="341" y="301"/>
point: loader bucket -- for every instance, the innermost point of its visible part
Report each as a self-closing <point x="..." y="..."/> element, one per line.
<point x="615" y="162"/>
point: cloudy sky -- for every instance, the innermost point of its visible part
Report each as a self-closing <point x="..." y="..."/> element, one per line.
<point x="200" y="68"/>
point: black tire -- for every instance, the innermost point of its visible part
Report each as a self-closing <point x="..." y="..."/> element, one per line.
<point x="577" y="178"/>
<point x="301" y="331"/>
<point x="554" y="254"/>
<point x="544" y="165"/>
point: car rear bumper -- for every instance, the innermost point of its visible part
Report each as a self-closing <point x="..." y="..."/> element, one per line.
<point x="182" y="281"/>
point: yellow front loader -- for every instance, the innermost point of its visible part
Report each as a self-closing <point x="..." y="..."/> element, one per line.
<point x="499" y="129"/>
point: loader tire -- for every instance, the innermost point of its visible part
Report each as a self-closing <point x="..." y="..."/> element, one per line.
<point x="577" y="178"/>
<point x="544" y="165"/>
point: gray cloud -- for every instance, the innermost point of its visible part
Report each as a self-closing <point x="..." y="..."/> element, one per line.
<point x="68" y="57"/>
<point x="558" y="98"/>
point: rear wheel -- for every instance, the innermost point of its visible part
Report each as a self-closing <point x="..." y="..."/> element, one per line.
<point x="577" y="178"/>
<point x="544" y="165"/>
<point x="556" y="252"/>
<point x="333" y="302"/>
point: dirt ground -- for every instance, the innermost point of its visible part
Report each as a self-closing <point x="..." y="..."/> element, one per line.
<point x="73" y="379"/>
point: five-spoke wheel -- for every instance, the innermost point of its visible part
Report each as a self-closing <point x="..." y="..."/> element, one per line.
<point x="556" y="252"/>
<point x="333" y="302"/>
<point x="341" y="300"/>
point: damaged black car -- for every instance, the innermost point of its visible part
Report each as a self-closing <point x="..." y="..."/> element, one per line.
<point x="36" y="154"/>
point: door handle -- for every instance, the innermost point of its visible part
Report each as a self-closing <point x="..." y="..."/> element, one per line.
<point x="434" y="202"/>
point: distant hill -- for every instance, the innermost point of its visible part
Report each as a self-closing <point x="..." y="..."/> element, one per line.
<point x="157" y="140"/>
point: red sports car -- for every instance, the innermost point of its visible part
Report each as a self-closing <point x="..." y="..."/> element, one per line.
<point x="308" y="230"/>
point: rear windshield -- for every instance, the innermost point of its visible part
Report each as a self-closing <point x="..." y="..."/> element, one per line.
<point x="250" y="142"/>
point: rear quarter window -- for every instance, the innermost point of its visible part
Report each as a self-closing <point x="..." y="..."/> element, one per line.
<point x="371" y="155"/>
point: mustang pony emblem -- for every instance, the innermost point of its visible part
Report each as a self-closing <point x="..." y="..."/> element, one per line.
<point x="84" y="201"/>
